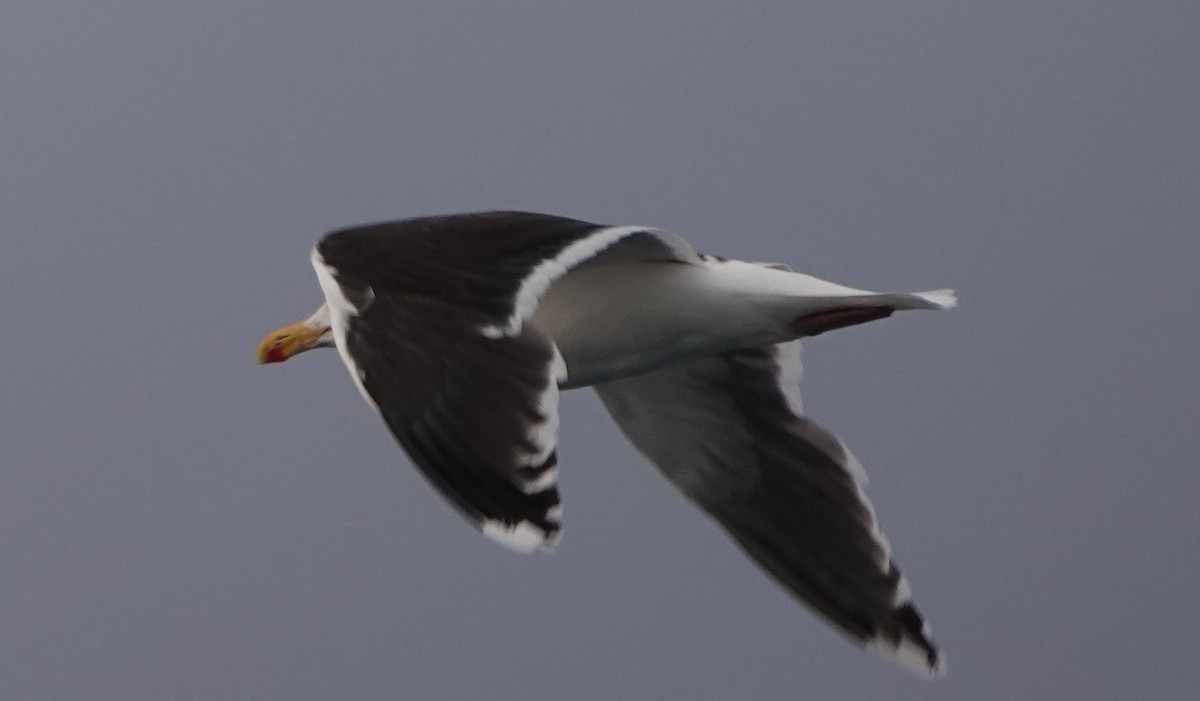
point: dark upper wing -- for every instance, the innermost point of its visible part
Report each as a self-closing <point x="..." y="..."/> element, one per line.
<point x="477" y="416"/>
<point x="728" y="431"/>
<point x="493" y="265"/>
<point x="429" y="316"/>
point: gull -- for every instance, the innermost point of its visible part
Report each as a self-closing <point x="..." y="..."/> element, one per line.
<point x="461" y="330"/>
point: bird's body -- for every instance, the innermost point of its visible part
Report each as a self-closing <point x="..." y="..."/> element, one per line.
<point x="461" y="330"/>
<point x="696" y="310"/>
<point x="622" y="335"/>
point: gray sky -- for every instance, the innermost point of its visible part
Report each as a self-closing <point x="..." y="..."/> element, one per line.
<point x="179" y="523"/>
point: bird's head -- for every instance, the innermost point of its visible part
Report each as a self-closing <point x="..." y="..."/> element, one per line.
<point x="313" y="332"/>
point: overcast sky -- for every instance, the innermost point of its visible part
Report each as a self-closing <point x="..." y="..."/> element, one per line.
<point x="177" y="522"/>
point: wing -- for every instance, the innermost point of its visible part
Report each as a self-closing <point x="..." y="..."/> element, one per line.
<point x="428" y="315"/>
<point x="728" y="431"/>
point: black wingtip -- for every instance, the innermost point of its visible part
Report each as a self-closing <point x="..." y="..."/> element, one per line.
<point x="912" y="647"/>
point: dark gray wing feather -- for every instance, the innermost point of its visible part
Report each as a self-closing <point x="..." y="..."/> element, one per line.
<point x="728" y="432"/>
<point x="436" y="340"/>
<point x="469" y="411"/>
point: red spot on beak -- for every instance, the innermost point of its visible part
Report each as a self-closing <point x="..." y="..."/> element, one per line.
<point x="274" y="355"/>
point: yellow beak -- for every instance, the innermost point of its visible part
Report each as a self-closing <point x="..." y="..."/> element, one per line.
<point x="280" y="345"/>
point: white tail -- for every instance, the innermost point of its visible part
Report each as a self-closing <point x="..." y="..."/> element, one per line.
<point x="940" y="299"/>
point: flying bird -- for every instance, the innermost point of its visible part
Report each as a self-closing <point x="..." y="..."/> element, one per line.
<point x="460" y="331"/>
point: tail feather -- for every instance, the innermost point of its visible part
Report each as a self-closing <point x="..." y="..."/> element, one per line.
<point x="939" y="299"/>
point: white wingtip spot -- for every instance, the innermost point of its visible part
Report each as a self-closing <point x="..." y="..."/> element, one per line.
<point x="912" y="657"/>
<point x="523" y="537"/>
<point x="912" y="653"/>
